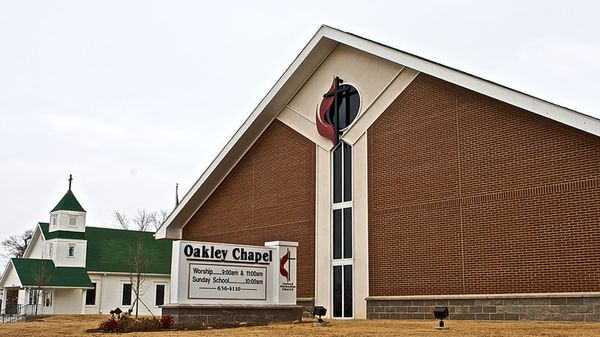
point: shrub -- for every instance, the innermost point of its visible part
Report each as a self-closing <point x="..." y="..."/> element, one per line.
<point x="139" y="324"/>
<point x="110" y="324"/>
<point x="126" y="323"/>
<point x="166" y="321"/>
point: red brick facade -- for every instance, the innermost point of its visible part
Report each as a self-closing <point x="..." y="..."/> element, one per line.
<point x="268" y="196"/>
<point x="469" y="195"/>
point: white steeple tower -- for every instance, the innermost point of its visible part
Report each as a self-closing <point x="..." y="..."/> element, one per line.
<point x="65" y="243"/>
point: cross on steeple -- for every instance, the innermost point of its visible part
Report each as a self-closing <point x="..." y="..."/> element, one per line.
<point x="70" y="181"/>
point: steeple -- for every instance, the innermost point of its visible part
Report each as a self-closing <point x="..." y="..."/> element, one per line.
<point x="66" y="245"/>
<point x="68" y="201"/>
<point x="68" y="215"/>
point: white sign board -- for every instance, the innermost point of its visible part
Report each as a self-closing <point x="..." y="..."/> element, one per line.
<point x="217" y="273"/>
<point x="209" y="281"/>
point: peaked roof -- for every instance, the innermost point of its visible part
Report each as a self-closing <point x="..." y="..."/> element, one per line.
<point x="68" y="203"/>
<point x="37" y="272"/>
<point x="309" y="59"/>
<point x="112" y="250"/>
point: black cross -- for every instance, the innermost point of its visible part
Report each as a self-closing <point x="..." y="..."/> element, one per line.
<point x="336" y="92"/>
<point x="70" y="180"/>
<point x="289" y="264"/>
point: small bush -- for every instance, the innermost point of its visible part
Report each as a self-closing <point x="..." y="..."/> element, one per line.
<point x="109" y="325"/>
<point x="166" y="322"/>
<point x="126" y="323"/>
<point x="139" y="324"/>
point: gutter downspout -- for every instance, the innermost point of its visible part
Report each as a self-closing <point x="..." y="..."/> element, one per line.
<point x="101" y="293"/>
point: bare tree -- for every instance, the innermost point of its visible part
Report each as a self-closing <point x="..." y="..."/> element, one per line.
<point x="160" y="218"/>
<point x="139" y="267"/>
<point x="143" y="221"/>
<point x="41" y="281"/>
<point x="121" y="219"/>
<point x="16" y="245"/>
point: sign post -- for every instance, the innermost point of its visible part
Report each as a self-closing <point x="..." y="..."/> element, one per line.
<point x="286" y="274"/>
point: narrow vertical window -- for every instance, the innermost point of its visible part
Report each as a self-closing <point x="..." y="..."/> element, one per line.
<point x="337" y="174"/>
<point x="90" y="295"/>
<point x="50" y="250"/>
<point x="342" y="242"/>
<point x="337" y="291"/>
<point x="160" y="295"/>
<point x="347" y="233"/>
<point x="48" y="299"/>
<point x="347" y="172"/>
<point x="126" y="300"/>
<point x="348" y="290"/>
<point x="71" y="250"/>
<point x="32" y="297"/>
<point x="337" y="234"/>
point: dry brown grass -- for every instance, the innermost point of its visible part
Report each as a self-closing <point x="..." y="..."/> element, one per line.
<point x="75" y="325"/>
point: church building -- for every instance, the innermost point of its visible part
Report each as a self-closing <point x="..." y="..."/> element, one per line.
<point x="409" y="185"/>
<point x="71" y="268"/>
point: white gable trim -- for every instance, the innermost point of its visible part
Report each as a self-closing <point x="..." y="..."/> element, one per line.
<point x="37" y="233"/>
<point x="10" y="268"/>
<point x="284" y="89"/>
<point x="474" y="83"/>
<point x="317" y="49"/>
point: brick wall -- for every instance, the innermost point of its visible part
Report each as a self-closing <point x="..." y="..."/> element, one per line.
<point x="469" y="195"/>
<point x="268" y="196"/>
<point x="510" y="308"/>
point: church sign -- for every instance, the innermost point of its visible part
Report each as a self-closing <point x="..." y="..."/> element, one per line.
<point x="218" y="273"/>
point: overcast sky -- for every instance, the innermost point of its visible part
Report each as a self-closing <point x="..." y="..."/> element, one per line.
<point x="132" y="97"/>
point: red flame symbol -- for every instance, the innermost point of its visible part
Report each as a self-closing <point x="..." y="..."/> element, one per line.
<point x="282" y="262"/>
<point x="325" y="129"/>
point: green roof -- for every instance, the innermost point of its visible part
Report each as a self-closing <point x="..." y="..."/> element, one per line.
<point x="59" y="234"/>
<point x="43" y="273"/>
<point x="112" y="250"/>
<point x="68" y="203"/>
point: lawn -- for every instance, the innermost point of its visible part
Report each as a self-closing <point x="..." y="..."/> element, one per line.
<point x="75" y="325"/>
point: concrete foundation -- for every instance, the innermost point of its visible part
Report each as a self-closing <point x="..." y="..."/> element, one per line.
<point x="200" y="316"/>
<point x="307" y="304"/>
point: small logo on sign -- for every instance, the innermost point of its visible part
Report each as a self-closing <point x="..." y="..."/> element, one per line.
<point x="286" y="259"/>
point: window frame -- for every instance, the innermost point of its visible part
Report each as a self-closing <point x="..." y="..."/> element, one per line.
<point x="32" y="297"/>
<point x="164" y="300"/>
<point x="95" y="295"/>
<point x="69" y="246"/>
<point x="48" y="295"/>
<point x="123" y="284"/>
<point x="342" y="206"/>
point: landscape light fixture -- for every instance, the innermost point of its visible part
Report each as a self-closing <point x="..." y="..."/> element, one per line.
<point x="319" y="311"/>
<point x="116" y="313"/>
<point x="440" y="313"/>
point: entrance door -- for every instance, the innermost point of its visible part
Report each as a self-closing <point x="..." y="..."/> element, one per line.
<point x="12" y="300"/>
